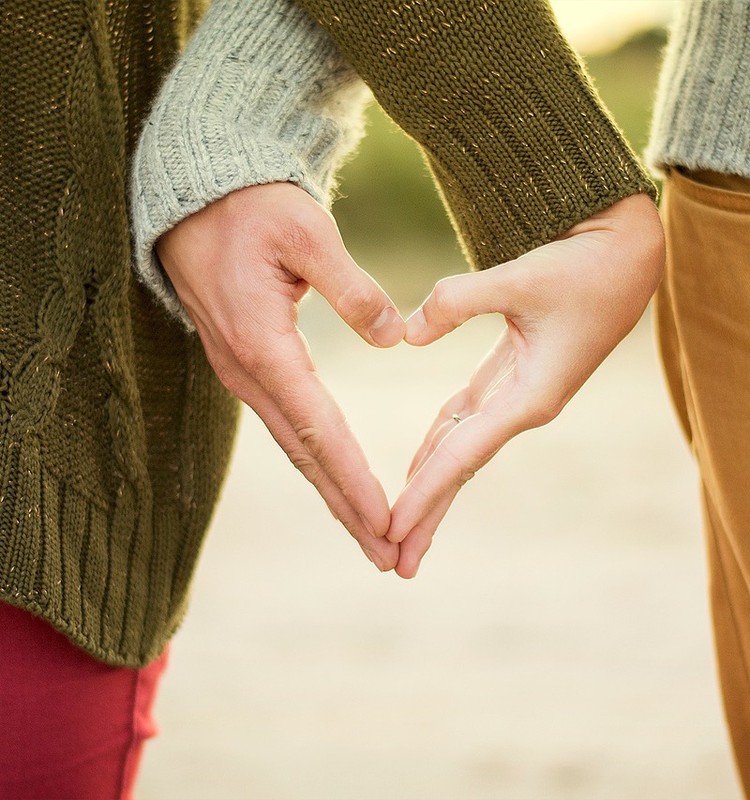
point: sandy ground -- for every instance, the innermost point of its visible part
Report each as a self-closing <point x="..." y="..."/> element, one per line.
<point x="555" y="645"/>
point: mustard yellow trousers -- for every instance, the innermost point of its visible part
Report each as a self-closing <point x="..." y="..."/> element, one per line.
<point x="703" y="322"/>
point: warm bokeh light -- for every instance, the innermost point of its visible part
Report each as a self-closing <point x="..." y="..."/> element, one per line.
<point x="596" y="25"/>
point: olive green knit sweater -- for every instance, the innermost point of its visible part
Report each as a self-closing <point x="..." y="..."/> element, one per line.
<point x="519" y="144"/>
<point x="115" y="433"/>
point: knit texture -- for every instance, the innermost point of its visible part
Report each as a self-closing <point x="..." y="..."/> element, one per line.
<point x="518" y="142"/>
<point x="702" y="116"/>
<point x="261" y="94"/>
<point x="114" y="431"/>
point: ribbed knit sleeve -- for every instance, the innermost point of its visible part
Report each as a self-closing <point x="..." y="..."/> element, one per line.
<point x="261" y="94"/>
<point x="519" y="144"/>
<point x="702" y="116"/>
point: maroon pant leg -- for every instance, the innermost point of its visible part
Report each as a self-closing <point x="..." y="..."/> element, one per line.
<point x="71" y="727"/>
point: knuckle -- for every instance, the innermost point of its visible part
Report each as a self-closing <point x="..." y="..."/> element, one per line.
<point x="238" y="343"/>
<point x="305" y="463"/>
<point x="300" y="232"/>
<point x="317" y="442"/>
<point x="444" y="300"/>
<point x="544" y="409"/>
<point x="233" y="339"/>
<point x="358" y="304"/>
<point x="465" y="474"/>
<point x="225" y="376"/>
<point x="462" y="472"/>
<point x="312" y="440"/>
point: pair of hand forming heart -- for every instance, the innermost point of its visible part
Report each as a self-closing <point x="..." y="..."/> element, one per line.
<point x="241" y="266"/>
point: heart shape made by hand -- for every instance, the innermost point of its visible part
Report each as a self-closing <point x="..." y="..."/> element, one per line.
<point x="242" y="265"/>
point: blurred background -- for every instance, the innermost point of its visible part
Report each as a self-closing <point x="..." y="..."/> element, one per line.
<point x="556" y="643"/>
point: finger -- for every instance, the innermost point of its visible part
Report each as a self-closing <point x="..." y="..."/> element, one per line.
<point x="322" y="429"/>
<point x="455" y="460"/>
<point x="429" y="445"/>
<point x="355" y="296"/>
<point x="494" y="369"/>
<point x="382" y="553"/>
<point x="419" y="539"/>
<point x="454" y="405"/>
<point x="321" y="434"/>
<point x="457" y="299"/>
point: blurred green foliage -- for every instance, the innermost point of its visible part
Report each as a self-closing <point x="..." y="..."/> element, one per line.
<point x="626" y="81"/>
<point x="389" y="213"/>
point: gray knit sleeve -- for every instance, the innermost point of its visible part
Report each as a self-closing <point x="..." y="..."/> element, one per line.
<point x="261" y="94"/>
<point x="702" y="116"/>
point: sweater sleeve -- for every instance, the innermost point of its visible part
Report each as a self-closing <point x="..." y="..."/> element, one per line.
<point x="702" y="113"/>
<point x="519" y="144"/>
<point x="261" y="94"/>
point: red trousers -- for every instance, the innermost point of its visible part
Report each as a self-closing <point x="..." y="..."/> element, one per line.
<point x="71" y="727"/>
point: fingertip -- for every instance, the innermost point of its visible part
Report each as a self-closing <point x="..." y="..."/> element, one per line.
<point x="397" y="532"/>
<point x="407" y="571"/>
<point x="383" y="520"/>
<point x="416" y="328"/>
<point x="370" y="503"/>
<point x="381" y="562"/>
<point x="389" y="328"/>
<point x="387" y="558"/>
<point x="413" y="550"/>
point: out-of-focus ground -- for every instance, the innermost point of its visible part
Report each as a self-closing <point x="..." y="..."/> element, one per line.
<point x="555" y="644"/>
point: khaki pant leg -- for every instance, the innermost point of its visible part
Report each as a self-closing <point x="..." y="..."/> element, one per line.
<point x="704" y="328"/>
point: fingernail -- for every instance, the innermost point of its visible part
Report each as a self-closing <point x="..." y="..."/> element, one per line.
<point x="416" y="324"/>
<point x="388" y="328"/>
<point x="374" y="559"/>
<point x="366" y="522"/>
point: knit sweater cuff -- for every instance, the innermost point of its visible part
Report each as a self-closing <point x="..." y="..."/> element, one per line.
<point x="261" y="94"/>
<point x="519" y="144"/>
<point x="702" y="116"/>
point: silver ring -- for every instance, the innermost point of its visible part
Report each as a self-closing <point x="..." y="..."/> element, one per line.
<point x="455" y="418"/>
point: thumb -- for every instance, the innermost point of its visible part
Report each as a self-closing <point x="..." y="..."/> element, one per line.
<point x="457" y="299"/>
<point x="355" y="296"/>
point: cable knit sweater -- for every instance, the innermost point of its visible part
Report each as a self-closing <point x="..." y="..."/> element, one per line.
<point x="519" y="145"/>
<point x="115" y="432"/>
<point x="261" y="94"/>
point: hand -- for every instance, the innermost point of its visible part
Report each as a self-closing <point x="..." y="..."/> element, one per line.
<point x="240" y="267"/>
<point x="566" y="306"/>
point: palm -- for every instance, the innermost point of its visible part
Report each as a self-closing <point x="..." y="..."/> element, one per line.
<point x="240" y="267"/>
<point x="566" y="305"/>
<point x="489" y="392"/>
